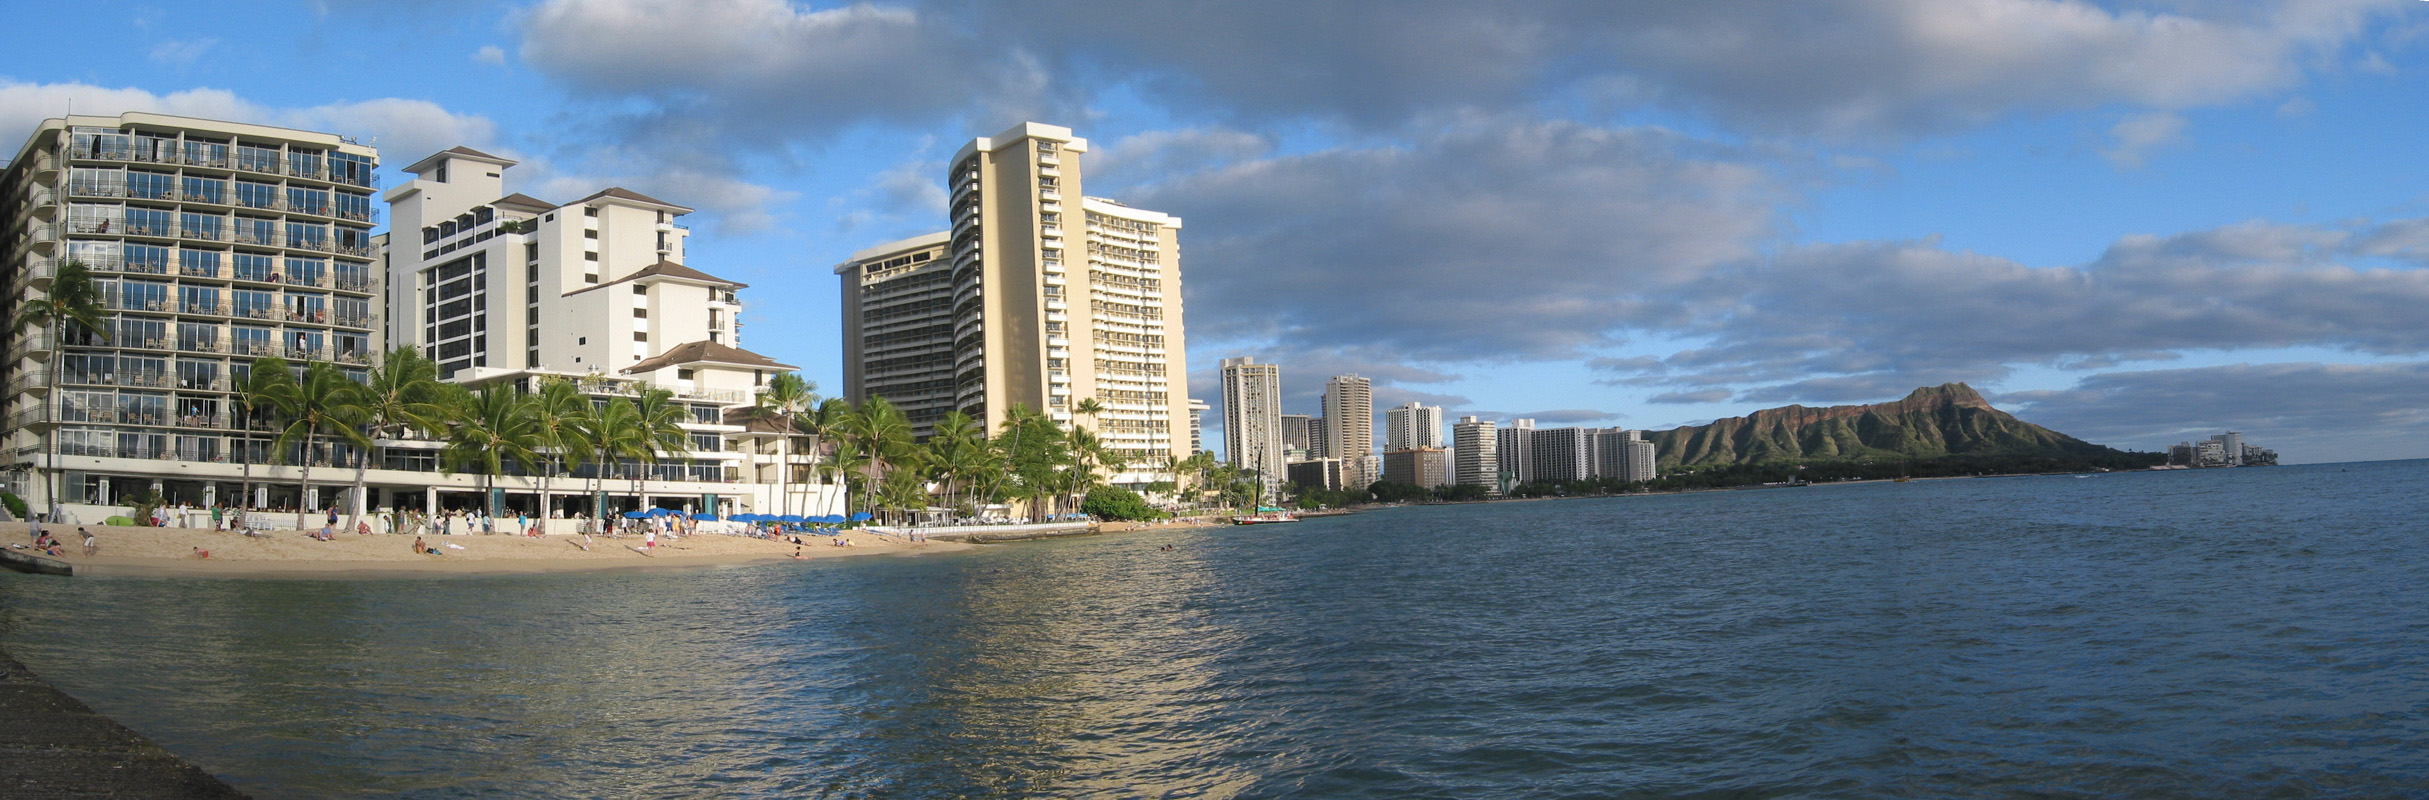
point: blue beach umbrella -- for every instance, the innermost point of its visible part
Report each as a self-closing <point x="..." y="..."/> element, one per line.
<point x="636" y="515"/>
<point x="704" y="518"/>
<point x="790" y="518"/>
<point x="862" y="516"/>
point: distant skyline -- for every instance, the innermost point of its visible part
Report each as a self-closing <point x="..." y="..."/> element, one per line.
<point x="2136" y="223"/>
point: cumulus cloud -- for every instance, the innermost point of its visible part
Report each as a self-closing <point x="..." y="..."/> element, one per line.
<point x="1870" y="320"/>
<point x="489" y="54"/>
<point x="1486" y="241"/>
<point x="2305" y="411"/>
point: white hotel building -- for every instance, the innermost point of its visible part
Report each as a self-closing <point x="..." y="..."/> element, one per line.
<point x="218" y="242"/>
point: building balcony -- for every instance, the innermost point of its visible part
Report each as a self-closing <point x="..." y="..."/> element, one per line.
<point x="37" y="381"/>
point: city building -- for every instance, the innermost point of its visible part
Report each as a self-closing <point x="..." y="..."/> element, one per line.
<point x="1623" y="455"/>
<point x="1349" y="428"/>
<point x="1252" y="418"/>
<point x="1428" y="467"/>
<point x="1475" y="453"/>
<point x="1412" y="426"/>
<point x="898" y="328"/>
<point x="1295" y="442"/>
<point x="2223" y="450"/>
<point x="1511" y="447"/>
<point x="211" y="243"/>
<point x="1320" y="473"/>
<point x="1197" y="425"/>
<point x="1319" y="443"/>
<point x="1056" y="297"/>
<point x="1560" y="455"/>
<point x="607" y="303"/>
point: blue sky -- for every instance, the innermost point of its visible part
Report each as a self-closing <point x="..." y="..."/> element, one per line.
<point x="2134" y="222"/>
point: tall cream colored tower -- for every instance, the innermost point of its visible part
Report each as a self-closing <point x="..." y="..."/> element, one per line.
<point x="1055" y="298"/>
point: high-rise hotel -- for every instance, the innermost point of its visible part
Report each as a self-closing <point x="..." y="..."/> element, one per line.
<point x="211" y="243"/>
<point x="216" y="243"/>
<point x="1038" y="296"/>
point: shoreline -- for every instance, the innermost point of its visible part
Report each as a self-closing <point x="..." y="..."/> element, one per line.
<point x="174" y="553"/>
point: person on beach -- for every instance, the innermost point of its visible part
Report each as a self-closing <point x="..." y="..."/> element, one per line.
<point x="90" y="547"/>
<point x="201" y="553"/>
<point x="33" y="526"/>
<point x="798" y="555"/>
<point x="649" y="541"/>
<point x="216" y="517"/>
<point x="420" y="548"/>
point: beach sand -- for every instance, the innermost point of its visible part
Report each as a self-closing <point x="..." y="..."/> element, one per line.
<point x="170" y="552"/>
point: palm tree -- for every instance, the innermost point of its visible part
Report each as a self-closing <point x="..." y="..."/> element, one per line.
<point x="788" y="394"/>
<point x="822" y="424"/>
<point x="72" y="298"/>
<point x="322" y="402"/>
<point x="1088" y="407"/>
<point x="559" y="406"/>
<point x="958" y="450"/>
<point x="401" y="394"/>
<point x="883" y="436"/>
<point x="1032" y="449"/>
<point x="602" y="435"/>
<point x="262" y="380"/>
<point x="662" y="435"/>
<point x="1087" y="454"/>
<point x="489" y="428"/>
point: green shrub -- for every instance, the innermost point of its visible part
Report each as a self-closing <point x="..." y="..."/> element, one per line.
<point x="16" y="505"/>
<point x="1117" y="503"/>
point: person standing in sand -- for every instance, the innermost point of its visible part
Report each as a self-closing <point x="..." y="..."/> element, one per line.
<point x="649" y="541"/>
<point x="91" y="548"/>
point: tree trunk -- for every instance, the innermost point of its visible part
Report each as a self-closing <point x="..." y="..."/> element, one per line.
<point x="784" y="466"/>
<point x="303" y="497"/>
<point x="362" y="462"/>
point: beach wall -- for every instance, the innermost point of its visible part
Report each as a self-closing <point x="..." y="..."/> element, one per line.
<point x="989" y="533"/>
<point x="55" y="746"/>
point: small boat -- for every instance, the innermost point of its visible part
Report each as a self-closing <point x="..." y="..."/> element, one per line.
<point x="1267" y="518"/>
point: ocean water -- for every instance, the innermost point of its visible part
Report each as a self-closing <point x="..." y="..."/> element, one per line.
<point x="2247" y="633"/>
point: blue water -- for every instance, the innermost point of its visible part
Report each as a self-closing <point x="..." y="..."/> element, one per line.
<point x="2255" y="632"/>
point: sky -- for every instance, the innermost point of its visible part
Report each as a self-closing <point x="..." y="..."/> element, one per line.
<point x="2137" y="222"/>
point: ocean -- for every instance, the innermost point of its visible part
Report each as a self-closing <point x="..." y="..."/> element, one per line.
<point x="2249" y="632"/>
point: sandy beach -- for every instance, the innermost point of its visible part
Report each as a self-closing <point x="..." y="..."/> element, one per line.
<point x="171" y="552"/>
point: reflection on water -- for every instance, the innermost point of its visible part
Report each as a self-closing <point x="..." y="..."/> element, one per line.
<point x="2221" y="633"/>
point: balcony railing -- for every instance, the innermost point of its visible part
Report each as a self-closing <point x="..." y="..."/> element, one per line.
<point x="26" y="380"/>
<point x="208" y="309"/>
<point x="146" y="380"/>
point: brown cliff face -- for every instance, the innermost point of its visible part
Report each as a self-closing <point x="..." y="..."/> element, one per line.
<point x="1949" y="419"/>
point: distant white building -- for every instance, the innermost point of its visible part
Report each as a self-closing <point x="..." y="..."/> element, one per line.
<point x="1412" y="426"/>
<point x="1474" y="453"/>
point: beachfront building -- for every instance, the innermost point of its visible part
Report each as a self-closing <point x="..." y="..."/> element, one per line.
<point x="1512" y="446"/>
<point x="507" y="289"/>
<point x="1561" y="454"/>
<point x="1252" y="418"/>
<point x="1623" y="455"/>
<point x="1411" y="426"/>
<point x="1349" y="432"/>
<point x="1428" y="467"/>
<point x="211" y="243"/>
<point x="1055" y="298"/>
<point x="1317" y="473"/>
<point x="898" y="328"/>
<point x="1475" y="453"/>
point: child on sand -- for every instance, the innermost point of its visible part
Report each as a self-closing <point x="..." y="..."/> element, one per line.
<point x="201" y="553"/>
<point x="90" y="548"/>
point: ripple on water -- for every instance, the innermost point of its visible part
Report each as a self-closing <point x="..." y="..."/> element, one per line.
<point x="2225" y="633"/>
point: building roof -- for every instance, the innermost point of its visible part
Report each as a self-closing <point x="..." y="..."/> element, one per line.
<point x="665" y="269"/>
<point x="706" y="352"/>
<point x="757" y="420"/>
<point x="458" y="151"/>
<point x="521" y="200"/>
<point x="621" y="193"/>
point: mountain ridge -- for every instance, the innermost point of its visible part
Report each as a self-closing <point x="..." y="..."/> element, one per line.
<point x="1931" y="422"/>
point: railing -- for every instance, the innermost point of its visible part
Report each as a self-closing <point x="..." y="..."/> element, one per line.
<point x="210" y="309"/>
<point x="198" y="272"/>
<point x="354" y="321"/>
<point x="146" y="380"/>
<point x="27" y="380"/>
<point x="36" y="341"/>
<point x="347" y="284"/>
<point x="188" y="346"/>
<point x="258" y="349"/>
<point x="217" y="420"/>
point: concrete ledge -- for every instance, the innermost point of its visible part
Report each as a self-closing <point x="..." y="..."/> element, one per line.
<point x="54" y="746"/>
<point x="28" y="562"/>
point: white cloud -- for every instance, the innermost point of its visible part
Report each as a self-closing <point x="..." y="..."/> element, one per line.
<point x="182" y="53"/>
<point x="489" y="54"/>
<point x="2137" y="136"/>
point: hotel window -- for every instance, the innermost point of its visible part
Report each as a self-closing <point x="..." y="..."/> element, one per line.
<point x="589" y="211"/>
